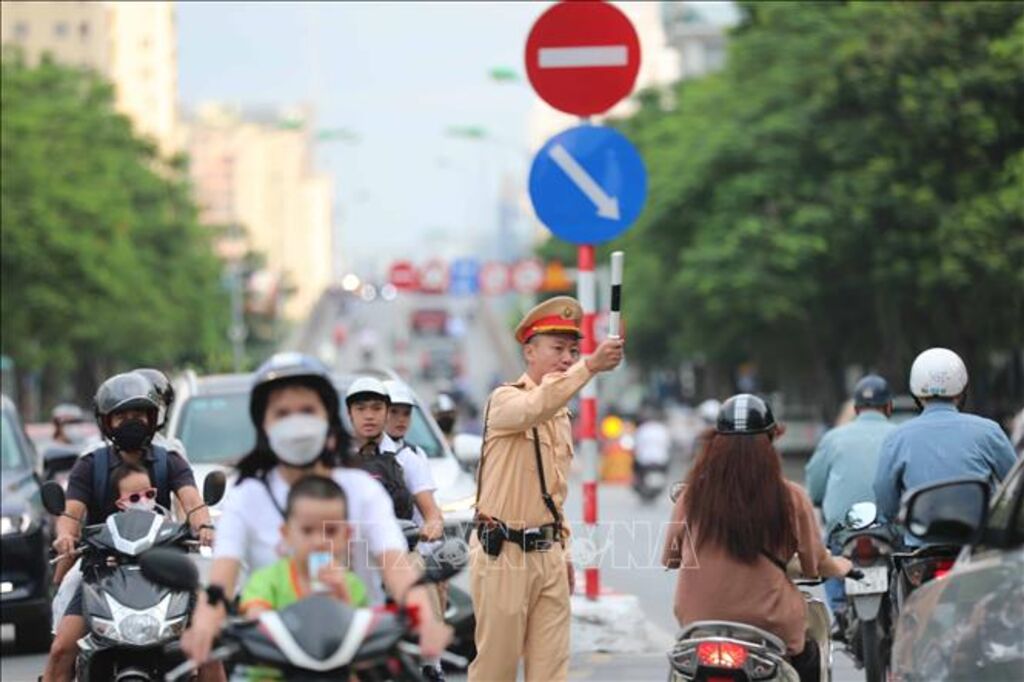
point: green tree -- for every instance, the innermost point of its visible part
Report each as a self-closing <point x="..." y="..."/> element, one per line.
<point x="847" y="191"/>
<point x="104" y="265"/>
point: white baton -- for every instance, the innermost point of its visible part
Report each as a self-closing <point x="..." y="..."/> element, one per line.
<point x="615" y="314"/>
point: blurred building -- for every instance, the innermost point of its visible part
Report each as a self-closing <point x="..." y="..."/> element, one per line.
<point x="133" y="44"/>
<point x="253" y="169"/>
<point x="699" y="42"/>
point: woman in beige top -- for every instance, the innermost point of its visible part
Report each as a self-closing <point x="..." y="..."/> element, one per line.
<point x="736" y="524"/>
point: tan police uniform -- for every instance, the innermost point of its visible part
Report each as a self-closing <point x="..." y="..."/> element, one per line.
<point x="521" y="598"/>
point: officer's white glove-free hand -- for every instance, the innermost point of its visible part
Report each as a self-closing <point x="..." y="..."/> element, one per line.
<point x="607" y="356"/>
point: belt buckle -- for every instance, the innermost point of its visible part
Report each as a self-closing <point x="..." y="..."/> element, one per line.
<point x="544" y="541"/>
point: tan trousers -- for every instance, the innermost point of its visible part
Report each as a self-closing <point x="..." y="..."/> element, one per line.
<point x="521" y="602"/>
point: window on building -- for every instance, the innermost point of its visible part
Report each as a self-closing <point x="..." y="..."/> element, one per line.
<point x="60" y="29"/>
<point x="21" y="29"/>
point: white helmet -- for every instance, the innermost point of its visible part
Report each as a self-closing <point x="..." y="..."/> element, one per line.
<point x="400" y="393"/>
<point x="368" y="386"/>
<point x="938" y="373"/>
<point x="708" y="410"/>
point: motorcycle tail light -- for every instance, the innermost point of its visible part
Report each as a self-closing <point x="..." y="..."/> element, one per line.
<point x="721" y="654"/>
<point x="942" y="567"/>
<point x="865" y="550"/>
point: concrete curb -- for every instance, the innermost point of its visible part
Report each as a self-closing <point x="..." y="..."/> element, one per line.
<point x="614" y="623"/>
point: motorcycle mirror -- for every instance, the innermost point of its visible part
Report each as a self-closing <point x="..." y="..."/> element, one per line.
<point x="467" y="448"/>
<point x="675" y="491"/>
<point x="444" y="562"/>
<point x="53" y="497"/>
<point x="170" y="568"/>
<point x="213" y="487"/>
<point x="860" y="515"/>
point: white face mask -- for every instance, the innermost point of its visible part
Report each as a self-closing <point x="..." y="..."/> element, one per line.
<point x="298" y="439"/>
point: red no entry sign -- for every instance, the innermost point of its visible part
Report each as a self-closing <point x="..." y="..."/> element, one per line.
<point x="582" y="56"/>
<point x="403" y="276"/>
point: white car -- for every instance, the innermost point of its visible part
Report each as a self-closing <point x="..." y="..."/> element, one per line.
<point x="211" y="418"/>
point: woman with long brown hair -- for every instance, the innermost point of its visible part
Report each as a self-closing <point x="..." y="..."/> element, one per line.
<point x="735" y="526"/>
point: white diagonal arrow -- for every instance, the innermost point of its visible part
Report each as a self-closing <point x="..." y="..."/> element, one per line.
<point x="607" y="207"/>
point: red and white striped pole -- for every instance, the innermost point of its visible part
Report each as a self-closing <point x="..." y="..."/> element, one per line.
<point x="587" y="294"/>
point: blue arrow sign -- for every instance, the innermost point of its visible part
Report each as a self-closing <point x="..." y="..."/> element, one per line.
<point x="464" y="277"/>
<point x="588" y="184"/>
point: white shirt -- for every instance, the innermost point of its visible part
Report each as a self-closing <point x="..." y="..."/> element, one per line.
<point x="249" y="525"/>
<point x="653" y="443"/>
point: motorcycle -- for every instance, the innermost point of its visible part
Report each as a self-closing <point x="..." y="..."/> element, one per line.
<point x="868" y="543"/>
<point x="458" y="613"/>
<point x="129" y="617"/>
<point x="914" y="568"/>
<point x="317" y="637"/>
<point x="725" y="650"/>
<point x="649" y="481"/>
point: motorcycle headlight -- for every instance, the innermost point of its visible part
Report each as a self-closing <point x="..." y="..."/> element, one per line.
<point x="139" y="628"/>
<point x="173" y="628"/>
<point x="15" y="523"/>
<point x="105" y="628"/>
<point x="458" y="505"/>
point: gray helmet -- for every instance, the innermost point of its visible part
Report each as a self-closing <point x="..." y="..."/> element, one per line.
<point x="291" y="368"/>
<point x="871" y="391"/>
<point x="162" y="384"/>
<point x="121" y="392"/>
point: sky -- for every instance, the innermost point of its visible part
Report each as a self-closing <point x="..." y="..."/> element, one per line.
<point x="398" y="74"/>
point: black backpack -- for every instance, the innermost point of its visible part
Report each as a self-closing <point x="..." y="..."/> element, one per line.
<point x="386" y="468"/>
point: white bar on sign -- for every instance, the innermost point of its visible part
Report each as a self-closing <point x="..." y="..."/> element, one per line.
<point x="583" y="57"/>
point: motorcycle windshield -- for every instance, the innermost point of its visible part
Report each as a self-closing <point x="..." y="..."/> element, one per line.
<point x="132" y="532"/>
<point x="316" y="633"/>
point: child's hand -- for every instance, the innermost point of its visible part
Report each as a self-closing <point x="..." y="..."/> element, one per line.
<point x="334" y="578"/>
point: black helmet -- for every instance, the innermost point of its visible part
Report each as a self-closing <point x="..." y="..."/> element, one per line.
<point x="128" y="391"/>
<point x="160" y="381"/>
<point x="871" y="391"/>
<point x="292" y="368"/>
<point x="744" y="414"/>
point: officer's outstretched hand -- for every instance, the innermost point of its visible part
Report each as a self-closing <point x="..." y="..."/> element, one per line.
<point x="607" y="356"/>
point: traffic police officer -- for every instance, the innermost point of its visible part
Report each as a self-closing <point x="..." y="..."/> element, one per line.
<point x="520" y="573"/>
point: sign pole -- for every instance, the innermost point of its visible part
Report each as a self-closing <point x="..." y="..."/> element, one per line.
<point x="587" y="294"/>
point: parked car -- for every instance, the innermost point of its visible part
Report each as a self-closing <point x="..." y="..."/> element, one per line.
<point x="25" y="531"/>
<point x="211" y="418"/>
<point x="969" y="623"/>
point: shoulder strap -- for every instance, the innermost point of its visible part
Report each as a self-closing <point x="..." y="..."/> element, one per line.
<point x="266" y="485"/>
<point x="483" y="448"/>
<point x="100" y="477"/>
<point x="160" y="467"/>
<point x="549" y="502"/>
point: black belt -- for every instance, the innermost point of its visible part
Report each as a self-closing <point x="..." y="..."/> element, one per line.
<point x="539" y="539"/>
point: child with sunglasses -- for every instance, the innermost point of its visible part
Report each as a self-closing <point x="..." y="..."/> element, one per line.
<point x="133" y="487"/>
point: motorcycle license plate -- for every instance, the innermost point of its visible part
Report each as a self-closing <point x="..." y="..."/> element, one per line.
<point x="875" y="581"/>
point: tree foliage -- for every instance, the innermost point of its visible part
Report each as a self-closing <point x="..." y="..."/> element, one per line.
<point x="848" y="191"/>
<point x="104" y="265"/>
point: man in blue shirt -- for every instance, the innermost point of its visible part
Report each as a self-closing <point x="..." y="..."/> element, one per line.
<point x="942" y="443"/>
<point x="842" y="469"/>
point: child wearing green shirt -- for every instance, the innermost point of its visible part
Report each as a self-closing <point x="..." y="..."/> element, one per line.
<point x="315" y="525"/>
